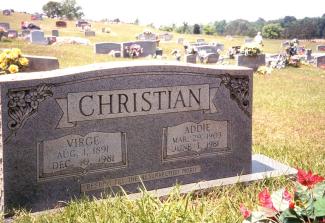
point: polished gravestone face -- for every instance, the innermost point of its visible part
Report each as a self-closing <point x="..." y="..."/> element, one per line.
<point x="106" y="48"/>
<point x="89" y="130"/>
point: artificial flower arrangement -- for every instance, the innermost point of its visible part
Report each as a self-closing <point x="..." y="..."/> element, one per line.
<point x="251" y="49"/>
<point x="134" y="50"/>
<point x="305" y="205"/>
<point x="12" y="61"/>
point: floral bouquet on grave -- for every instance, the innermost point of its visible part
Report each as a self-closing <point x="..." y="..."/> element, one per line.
<point x="250" y="49"/>
<point x="134" y="50"/>
<point x="12" y="61"/>
<point x="305" y="205"/>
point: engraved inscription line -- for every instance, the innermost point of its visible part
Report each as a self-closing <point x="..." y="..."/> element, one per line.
<point x="138" y="178"/>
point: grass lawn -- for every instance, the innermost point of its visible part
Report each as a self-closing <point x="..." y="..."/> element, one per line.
<point x="288" y="125"/>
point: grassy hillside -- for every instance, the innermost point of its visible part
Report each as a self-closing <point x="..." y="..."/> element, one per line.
<point x="73" y="55"/>
<point x="288" y="125"/>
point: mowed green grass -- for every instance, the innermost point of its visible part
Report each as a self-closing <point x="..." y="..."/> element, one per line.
<point x="288" y="125"/>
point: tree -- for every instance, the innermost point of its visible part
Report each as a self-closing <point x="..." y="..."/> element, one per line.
<point x="185" y="28"/>
<point x="196" y="29"/>
<point x="52" y="9"/>
<point x="136" y="22"/>
<point x="259" y="24"/>
<point x="220" y="26"/>
<point x="272" y="31"/>
<point x="71" y="10"/>
<point x="208" y="29"/>
<point x="240" y="27"/>
<point x="288" y="20"/>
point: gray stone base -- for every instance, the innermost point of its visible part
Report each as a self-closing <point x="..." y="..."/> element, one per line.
<point x="250" y="61"/>
<point x="41" y="63"/>
<point x="262" y="167"/>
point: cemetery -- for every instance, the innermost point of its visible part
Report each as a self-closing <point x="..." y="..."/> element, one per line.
<point x="123" y="122"/>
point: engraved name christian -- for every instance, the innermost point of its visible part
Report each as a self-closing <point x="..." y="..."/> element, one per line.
<point x="82" y="106"/>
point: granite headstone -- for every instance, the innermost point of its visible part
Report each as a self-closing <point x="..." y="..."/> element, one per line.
<point x="61" y="24"/>
<point x="12" y="33"/>
<point x="90" y="33"/>
<point x="37" y="37"/>
<point x="321" y="48"/>
<point x="83" y="131"/>
<point x="320" y="61"/>
<point x="5" y="25"/>
<point x="190" y="58"/>
<point x="250" y="61"/>
<point x="148" y="46"/>
<point x="55" y="32"/>
<point x="105" y="48"/>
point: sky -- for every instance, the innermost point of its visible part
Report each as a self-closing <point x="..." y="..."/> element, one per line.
<point x="165" y="12"/>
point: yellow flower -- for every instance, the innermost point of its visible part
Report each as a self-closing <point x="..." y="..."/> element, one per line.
<point x="2" y="57"/>
<point x="16" y="51"/>
<point x="3" y="65"/>
<point x="13" y="68"/>
<point x="23" y="61"/>
<point x="7" y="51"/>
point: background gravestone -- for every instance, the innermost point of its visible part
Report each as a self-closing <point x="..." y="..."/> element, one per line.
<point x="74" y="132"/>
<point x="250" y="61"/>
<point x="5" y="25"/>
<point x="320" y="61"/>
<point x="90" y="33"/>
<point x="55" y="32"/>
<point x="148" y="46"/>
<point x="37" y="37"/>
<point x="61" y="24"/>
<point x="12" y="33"/>
<point x="321" y="48"/>
<point x="190" y="58"/>
<point x="41" y="63"/>
<point x="105" y="48"/>
<point x="180" y="40"/>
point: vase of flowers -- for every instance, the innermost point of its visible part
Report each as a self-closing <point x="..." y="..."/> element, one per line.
<point x="250" y="56"/>
<point x="305" y="204"/>
<point x="135" y="50"/>
<point x="12" y="61"/>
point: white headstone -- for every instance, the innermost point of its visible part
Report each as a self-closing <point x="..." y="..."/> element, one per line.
<point x="37" y="37"/>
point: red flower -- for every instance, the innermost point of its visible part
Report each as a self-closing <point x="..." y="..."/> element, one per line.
<point x="291" y="205"/>
<point x="265" y="199"/>
<point x="245" y="212"/>
<point x="308" y="179"/>
<point x="286" y="195"/>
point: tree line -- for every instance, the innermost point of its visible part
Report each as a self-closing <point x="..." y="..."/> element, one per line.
<point x="285" y="28"/>
<point x="66" y="8"/>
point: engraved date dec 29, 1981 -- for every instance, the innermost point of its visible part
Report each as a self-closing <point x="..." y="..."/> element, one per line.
<point x="80" y="152"/>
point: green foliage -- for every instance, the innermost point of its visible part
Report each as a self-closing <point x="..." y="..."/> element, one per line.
<point x="240" y="27"/>
<point x="220" y="26"/>
<point x="52" y="9"/>
<point x="272" y="31"/>
<point x="166" y="28"/>
<point x="67" y="8"/>
<point x="71" y="10"/>
<point x="184" y="28"/>
<point x="208" y="29"/>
